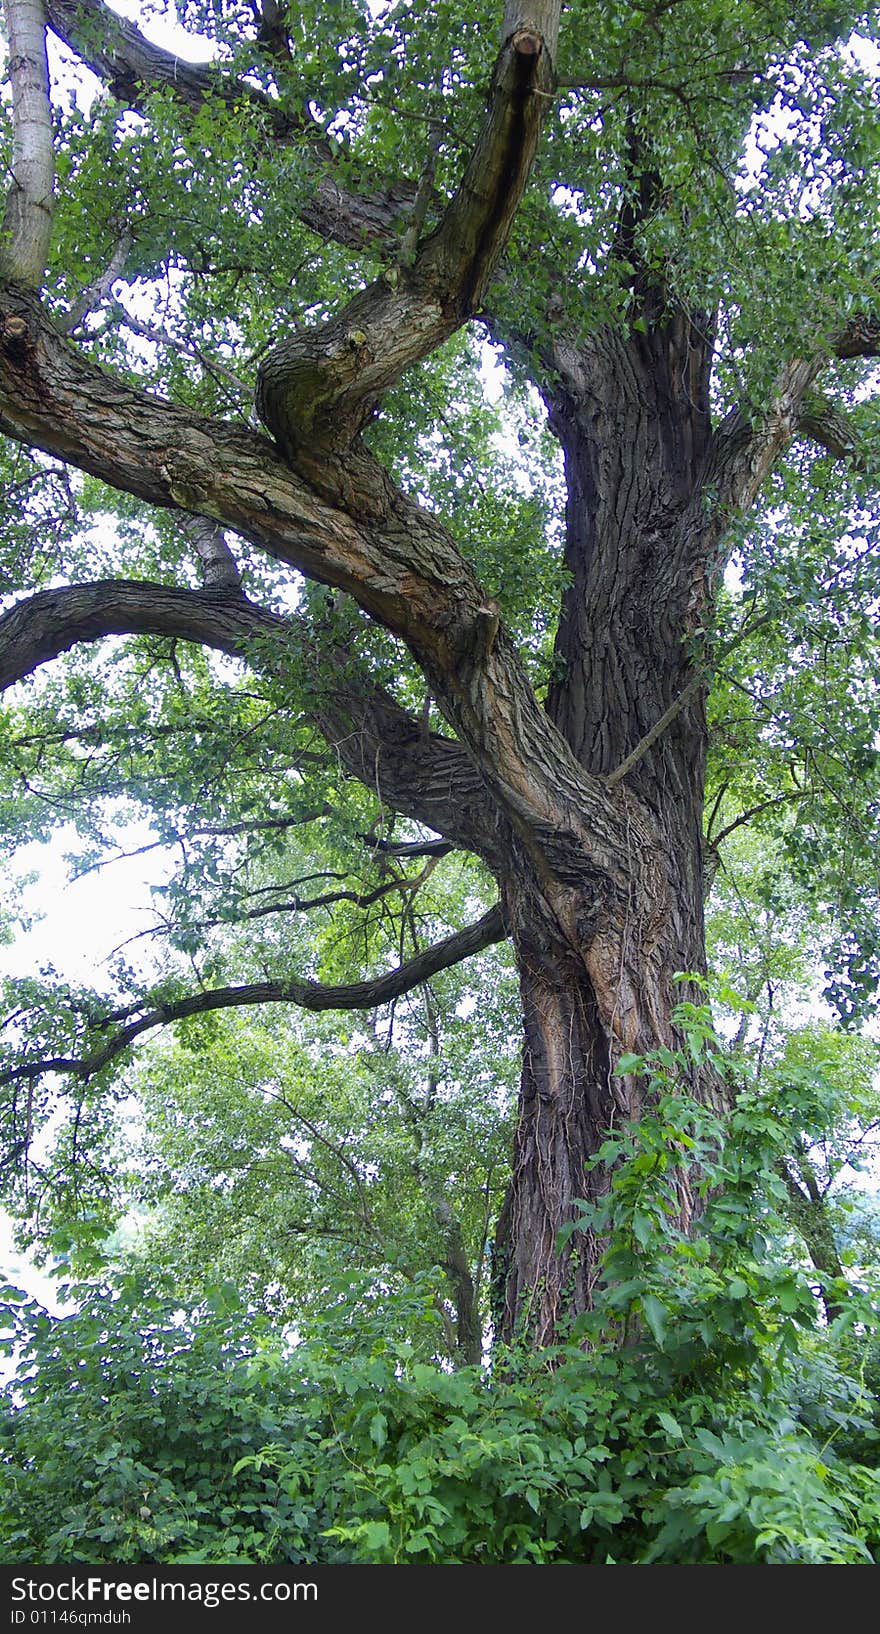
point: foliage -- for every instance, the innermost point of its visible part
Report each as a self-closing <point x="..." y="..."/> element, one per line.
<point x="129" y="1421"/>
<point x="709" y="1420"/>
<point x="794" y="717"/>
<point x="280" y="1150"/>
<point x="280" y="1157"/>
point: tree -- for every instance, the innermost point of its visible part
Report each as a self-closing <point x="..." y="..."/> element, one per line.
<point x="319" y="1172"/>
<point x="663" y="218"/>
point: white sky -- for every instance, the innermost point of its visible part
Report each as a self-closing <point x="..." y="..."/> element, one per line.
<point x="78" y="926"/>
<point x="79" y="923"/>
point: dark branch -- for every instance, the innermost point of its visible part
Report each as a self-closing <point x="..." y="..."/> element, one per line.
<point x="132" y="67"/>
<point x="299" y="904"/>
<point x="364" y="995"/>
<point x="259" y="825"/>
<point x="824" y="423"/>
<point x="755" y="811"/>
<point x="421" y="775"/>
<point x="860" y="337"/>
<point x="426" y="777"/>
<point x="52" y="621"/>
<point x="408" y="848"/>
<point x="120" y="55"/>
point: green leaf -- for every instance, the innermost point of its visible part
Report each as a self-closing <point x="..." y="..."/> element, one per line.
<point x="629" y="1064"/>
<point x="656" y="1316"/>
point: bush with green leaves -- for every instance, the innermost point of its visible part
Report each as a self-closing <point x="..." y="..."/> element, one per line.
<point x="124" y="1424"/>
<point x="700" y="1413"/>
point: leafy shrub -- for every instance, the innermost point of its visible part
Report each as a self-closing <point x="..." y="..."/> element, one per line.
<point x="701" y="1413"/>
<point x="142" y="1435"/>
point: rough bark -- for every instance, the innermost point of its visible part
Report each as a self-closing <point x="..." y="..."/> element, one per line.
<point x="632" y="416"/>
<point x="359" y="533"/>
<point x="603" y="884"/>
<point x="321" y="387"/>
<point x="651" y="493"/>
<point x="583" y="1007"/>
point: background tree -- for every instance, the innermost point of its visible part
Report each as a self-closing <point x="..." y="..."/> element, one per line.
<point x="318" y="1168"/>
<point x="664" y="217"/>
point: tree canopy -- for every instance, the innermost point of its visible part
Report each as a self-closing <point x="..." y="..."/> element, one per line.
<point x="440" y="473"/>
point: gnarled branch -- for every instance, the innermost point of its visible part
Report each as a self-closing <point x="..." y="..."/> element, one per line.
<point x="369" y="539"/>
<point x="823" y="422"/>
<point x="323" y="385"/>
<point x="428" y="778"/>
<point x="118" y="53"/>
<point x="859" y="337"/>
<point x="44" y="625"/>
<point x="364" y="995"/>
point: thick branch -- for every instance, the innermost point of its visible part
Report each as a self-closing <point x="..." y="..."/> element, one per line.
<point x="365" y="995"/>
<point x="822" y="422"/>
<point x="325" y="383"/>
<point x="218" y="565"/>
<point x="430" y="779"/>
<point x="419" y="774"/>
<point x="52" y="621"/>
<point x="399" y="564"/>
<point x="54" y="398"/>
<point x="397" y="561"/>
<point x="745" y="450"/>
<point x="27" y="224"/>
<point x="118" y="53"/>
<point x="368" y="220"/>
<point x="860" y="337"/>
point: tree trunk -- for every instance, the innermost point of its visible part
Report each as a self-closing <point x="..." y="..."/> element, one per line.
<point x="583" y="1009"/>
<point x="468" y="1329"/>
<point x="809" y="1214"/>
<point x="632" y="417"/>
<point x="27" y="224"/>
